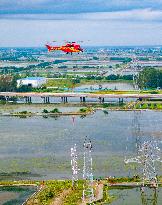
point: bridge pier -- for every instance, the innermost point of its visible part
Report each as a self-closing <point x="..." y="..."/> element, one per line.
<point x="28" y="99"/>
<point x="64" y="99"/>
<point x="121" y="100"/>
<point x="139" y="99"/>
<point x="102" y="100"/>
<point x="84" y="99"/>
<point x="7" y="98"/>
<point x="46" y="100"/>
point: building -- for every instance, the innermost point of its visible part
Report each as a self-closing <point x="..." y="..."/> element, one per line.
<point x="34" y="82"/>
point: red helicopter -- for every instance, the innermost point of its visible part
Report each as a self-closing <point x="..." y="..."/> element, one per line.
<point x="70" y="47"/>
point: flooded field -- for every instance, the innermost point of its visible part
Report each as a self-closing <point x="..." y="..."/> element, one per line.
<point x="39" y="148"/>
<point x="106" y="86"/>
<point x="34" y="108"/>
<point x="136" y="196"/>
<point x="15" y="195"/>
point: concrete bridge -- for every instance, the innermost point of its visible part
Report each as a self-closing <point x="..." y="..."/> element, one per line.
<point x="81" y="96"/>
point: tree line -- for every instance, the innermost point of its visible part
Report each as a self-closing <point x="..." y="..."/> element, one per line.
<point x="149" y="78"/>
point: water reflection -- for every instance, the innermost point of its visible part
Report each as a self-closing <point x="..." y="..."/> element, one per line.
<point x="149" y="196"/>
<point x="134" y="196"/>
<point x="105" y="86"/>
<point x="10" y="195"/>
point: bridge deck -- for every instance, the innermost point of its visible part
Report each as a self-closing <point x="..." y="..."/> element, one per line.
<point x="88" y="95"/>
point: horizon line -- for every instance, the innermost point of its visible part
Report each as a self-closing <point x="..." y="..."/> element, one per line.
<point x="146" y="45"/>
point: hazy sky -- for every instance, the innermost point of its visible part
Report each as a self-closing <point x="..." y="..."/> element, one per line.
<point x="96" y="22"/>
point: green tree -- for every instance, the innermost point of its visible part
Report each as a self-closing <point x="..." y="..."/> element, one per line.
<point x="7" y="83"/>
<point x="24" y="88"/>
<point x="149" y="78"/>
<point x="112" y="77"/>
<point x="55" y="110"/>
<point x="45" y="111"/>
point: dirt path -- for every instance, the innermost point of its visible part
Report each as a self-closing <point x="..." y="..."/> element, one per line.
<point x="59" y="200"/>
<point x="99" y="194"/>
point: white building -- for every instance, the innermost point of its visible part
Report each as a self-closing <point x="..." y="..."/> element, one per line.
<point x="35" y="82"/>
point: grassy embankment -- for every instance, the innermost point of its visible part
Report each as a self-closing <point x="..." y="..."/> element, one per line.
<point x="53" y="112"/>
<point x="62" y="190"/>
<point x="128" y="92"/>
<point x="145" y="105"/>
<point x="137" y="105"/>
<point x="55" y="190"/>
<point x="85" y="108"/>
<point x="50" y="190"/>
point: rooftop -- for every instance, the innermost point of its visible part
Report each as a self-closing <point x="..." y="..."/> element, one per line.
<point x="33" y="78"/>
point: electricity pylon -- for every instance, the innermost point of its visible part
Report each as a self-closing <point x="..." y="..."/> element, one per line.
<point x="148" y="154"/>
<point x="149" y="196"/>
<point x="134" y="65"/>
<point x="88" y="192"/>
<point x="136" y="127"/>
<point x="74" y="165"/>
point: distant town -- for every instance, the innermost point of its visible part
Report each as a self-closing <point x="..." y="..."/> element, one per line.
<point x="96" y="63"/>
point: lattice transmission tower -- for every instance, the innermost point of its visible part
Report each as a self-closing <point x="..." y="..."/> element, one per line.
<point x="148" y="154"/>
<point x="74" y="165"/>
<point x="88" y="192"/>
<point x="134" y="65"/>
<point x="149" y="196"/>
<point x="136" y="129"/>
